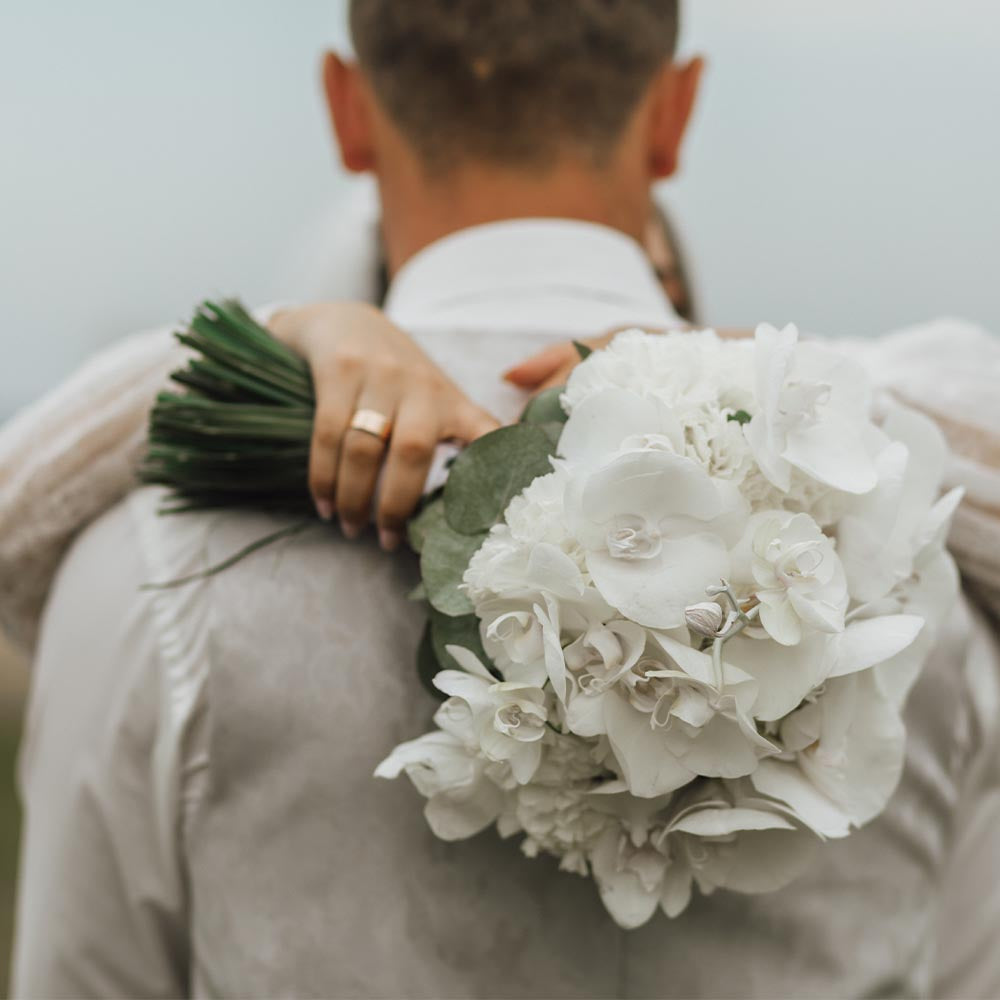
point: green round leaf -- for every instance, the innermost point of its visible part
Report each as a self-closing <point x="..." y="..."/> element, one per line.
<point x="443" y="561"/>
<point x="431" y="515"/>
<point x="491" y="472"/>
<point x="545" y="408"/>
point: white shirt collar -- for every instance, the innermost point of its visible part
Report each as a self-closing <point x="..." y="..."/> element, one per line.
<point x="538" y="263"/>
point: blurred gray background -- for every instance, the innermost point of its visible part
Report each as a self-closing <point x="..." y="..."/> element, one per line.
<point x="842" y="173"/>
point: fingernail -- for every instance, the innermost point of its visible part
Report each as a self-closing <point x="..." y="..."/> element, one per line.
<point x="324" y="508"/>
<point x="350" y="529"/>
<point x="389" y="540"/>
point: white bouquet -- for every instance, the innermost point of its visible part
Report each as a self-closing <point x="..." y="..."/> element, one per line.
<point x="676" y="613"/>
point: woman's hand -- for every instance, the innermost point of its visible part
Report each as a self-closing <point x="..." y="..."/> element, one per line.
<point x="361" y="361"/>
<point x="552" y="366"/>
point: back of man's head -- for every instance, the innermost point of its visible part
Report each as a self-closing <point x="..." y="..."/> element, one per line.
<point x="512" y="82"/>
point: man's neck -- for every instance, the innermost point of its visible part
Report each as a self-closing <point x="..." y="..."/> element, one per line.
<point x="417" y="211"/>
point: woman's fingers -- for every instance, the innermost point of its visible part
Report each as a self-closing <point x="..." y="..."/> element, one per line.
<point x="361" y="456"/>
<point x="558" y="377"/>
<point x="532" y="372"/>
<point x="415" y="437"/>
<point x="337" y="387"/>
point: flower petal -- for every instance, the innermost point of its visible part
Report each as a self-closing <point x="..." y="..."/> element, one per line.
<point x="719" y="822"/>
<point x="784" y="780"/>
<point x="870" y="641"/>
<point x="655" y="592"/>
<point x="647" y="765"/>
<point x="622" y="892"/>
<point x="786" y="674"/>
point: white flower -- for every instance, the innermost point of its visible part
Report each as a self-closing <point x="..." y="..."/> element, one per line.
<point x="669" y="719"/>
<point x="654" y="527"/>
<point x="787" y="675"/>
<point x="797" y="576"/>
<point x="508" y="717"/>
<point x="462" y="799"/>
<point x="505" y="567"/>
<point x="590" y="663"/>
<point x="610" y="421"/>
<point x="745" y="844"/>
<point x="685" y="368"/>
<point x="616" y="420"/>
<point x="538" y="514"/>
<point x="883" y="534"/>
<point x="513" y="639"/>
<point x="850" y="746"/>
<point x="813" y="413"/>
<point x="666" y="716"/>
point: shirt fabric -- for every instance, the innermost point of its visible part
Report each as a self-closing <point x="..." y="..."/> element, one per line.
<point x="200" y="812"/>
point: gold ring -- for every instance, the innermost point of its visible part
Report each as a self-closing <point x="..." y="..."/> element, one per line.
<point x="372" y="422"/>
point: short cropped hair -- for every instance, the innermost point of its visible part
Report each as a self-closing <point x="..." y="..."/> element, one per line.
<point x="516" y="82"/>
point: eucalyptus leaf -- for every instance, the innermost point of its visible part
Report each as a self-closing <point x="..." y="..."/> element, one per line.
<point x="583" y="350"/>
<point x="444" y="556"/>
<point x="430" y="517"/>
<point x="545" y="408"/>
<point x="491" y="472"/>
<point x="427" y="663"/>
<point x="461" y="631"/>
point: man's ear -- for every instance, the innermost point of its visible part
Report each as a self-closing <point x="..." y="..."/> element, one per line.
<point x="674" y="93"/>
<point x="347" y="102"/>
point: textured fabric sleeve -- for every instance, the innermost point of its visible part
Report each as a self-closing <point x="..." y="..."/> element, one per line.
<point x="69" y="457"/>
<point x="66" y="459"/>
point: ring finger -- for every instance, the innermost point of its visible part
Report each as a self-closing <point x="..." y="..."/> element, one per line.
<point x="362" y="453"/>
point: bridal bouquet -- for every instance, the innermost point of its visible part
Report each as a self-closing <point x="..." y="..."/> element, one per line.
<point x="675" y="613"/>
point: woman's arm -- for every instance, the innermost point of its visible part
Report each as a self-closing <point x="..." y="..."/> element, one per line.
<point x="73" y="454"/>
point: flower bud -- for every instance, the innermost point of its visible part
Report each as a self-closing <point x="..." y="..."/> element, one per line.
<point x="705" y="618"/>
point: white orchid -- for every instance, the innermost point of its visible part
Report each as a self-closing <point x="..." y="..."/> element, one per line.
<point x="796" y="576"/>
<point x="746" y="844"/>
<point x="882" y="535"/>
<point x="813" y="413"/>
<point x="461" y="797"/>
<point x="849" y="746"/>
<point x="671" y="718"/>
<point x="507" y="718"/>
<point x="654" y="527"/>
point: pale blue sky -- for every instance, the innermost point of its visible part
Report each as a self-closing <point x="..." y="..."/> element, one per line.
<point x="842" y="171"/>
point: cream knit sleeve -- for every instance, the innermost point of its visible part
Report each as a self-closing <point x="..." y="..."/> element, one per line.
<point x="67" y="458"/>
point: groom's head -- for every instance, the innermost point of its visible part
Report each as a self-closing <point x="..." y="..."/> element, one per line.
<point x="470" y="111"/>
